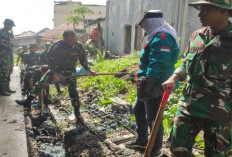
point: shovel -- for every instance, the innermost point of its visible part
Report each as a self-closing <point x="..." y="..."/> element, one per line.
<point x="157" y="122"/>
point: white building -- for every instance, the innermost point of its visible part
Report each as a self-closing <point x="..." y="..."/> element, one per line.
<point x="62" y="11"/>
<point x="122" y="16"/>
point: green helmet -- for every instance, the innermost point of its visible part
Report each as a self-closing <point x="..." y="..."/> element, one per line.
<point x="9" y="22"/>
<point x="225" y="4"/>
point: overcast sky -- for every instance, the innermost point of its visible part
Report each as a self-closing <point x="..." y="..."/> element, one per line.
<point x="32" y="15"/>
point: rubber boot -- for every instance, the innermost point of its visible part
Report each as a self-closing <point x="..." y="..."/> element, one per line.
<point x="26" y="103"/>
<point x="79" y="118"/>
<point x="8" y="88"/>
<point x="3" y="90"/>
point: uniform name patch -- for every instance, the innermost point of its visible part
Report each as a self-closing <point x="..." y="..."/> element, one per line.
<point x="166" y="49"/>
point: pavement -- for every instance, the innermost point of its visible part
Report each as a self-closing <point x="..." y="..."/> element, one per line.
<point x="13" y="141"/>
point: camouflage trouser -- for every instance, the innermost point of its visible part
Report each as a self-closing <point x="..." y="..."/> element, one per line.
<point x="22" y="71"/>
<point x="6" y="65"/>
<point x="186" y="128"/>
<point x="72" y="86"/>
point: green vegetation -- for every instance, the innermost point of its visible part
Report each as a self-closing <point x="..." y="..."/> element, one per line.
<point x="107" y="87"/>
<point x="110" y="86"/>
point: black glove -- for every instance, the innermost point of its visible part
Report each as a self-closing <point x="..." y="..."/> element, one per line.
<point x="146" y="89"/>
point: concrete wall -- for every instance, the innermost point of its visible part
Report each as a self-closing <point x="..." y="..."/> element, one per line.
<point x="62" y="10"/>
<point x="123" y="13"/>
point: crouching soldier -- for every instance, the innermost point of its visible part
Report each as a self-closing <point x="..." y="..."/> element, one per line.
<point x="33" y="75"/>
<point x="63" y="56"/>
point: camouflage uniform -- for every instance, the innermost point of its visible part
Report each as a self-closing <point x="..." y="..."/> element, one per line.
<point x="206" y="103"/>
<point x="31" y="59"/>
<point x="63" y="61"/>
<point x="6" y="55"/>
<point x="43" y="58"/>
<point x="22" y="68"/>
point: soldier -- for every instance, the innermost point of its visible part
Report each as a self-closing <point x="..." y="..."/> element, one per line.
<point x="206" y="102"/>
<point x="156" y="65"/>
<point x="6" y="57"/>
<point x="31" y="58"/>
<point x="21" y="56"/>
<point x="63" y="56"/>
<point x="36" y="47"/>
<point x="44" y="60"/>
<point x="43" y="56"/>
<point x="33" y="75"/>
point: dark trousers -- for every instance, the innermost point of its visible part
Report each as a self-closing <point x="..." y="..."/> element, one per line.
<point x="145" y="113"/>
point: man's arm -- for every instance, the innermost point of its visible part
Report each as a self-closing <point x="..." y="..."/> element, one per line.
<point x="83" y="60"/>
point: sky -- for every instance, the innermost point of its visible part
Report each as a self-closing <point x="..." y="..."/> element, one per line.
<point x="32" y="15"/>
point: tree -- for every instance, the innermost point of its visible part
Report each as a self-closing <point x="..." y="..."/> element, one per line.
<point x="74" y="20"/>
<point x="82" y="11"/>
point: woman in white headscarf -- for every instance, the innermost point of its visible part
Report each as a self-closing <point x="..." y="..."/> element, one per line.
<point x="156" y="65"/>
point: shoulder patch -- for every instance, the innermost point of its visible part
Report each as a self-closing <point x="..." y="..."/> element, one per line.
<point x="162" y="35"/>
<point x="145" y="46"/>
<point x="165" y="49"/>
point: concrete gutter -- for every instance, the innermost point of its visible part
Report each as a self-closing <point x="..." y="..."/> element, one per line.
<point x="13" y="141"/>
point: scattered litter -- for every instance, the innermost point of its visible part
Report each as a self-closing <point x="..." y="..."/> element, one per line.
<point x="13" y="121"/>
<point x="119" y="101"/>
<point x="71" y="117"/>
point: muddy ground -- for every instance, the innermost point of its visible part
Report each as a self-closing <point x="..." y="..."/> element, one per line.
<point x="104" y="133"/>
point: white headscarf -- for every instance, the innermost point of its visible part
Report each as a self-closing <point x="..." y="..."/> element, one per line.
<point x="155" y="25"/>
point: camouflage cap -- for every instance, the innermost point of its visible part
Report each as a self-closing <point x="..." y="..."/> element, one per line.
<point x="9" y="22"/>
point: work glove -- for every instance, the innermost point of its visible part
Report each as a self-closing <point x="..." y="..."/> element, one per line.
<point x="147" y="90"/>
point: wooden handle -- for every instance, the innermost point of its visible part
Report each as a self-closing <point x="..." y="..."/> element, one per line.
<point x="157" y="122"/>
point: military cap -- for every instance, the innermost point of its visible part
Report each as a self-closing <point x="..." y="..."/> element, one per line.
<point x="151" y="14"/>
<point x="224" y="4"/>
<point x="9" y="22"/>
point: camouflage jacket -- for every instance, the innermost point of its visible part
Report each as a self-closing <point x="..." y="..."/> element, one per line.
<point x="208" y="69"/>
<point x="34" y="74"/>
<point x="31" y="59"/>
<point x="63" y="57"/>
<point x="5" y="41"/>
<point x="43" y="58"/>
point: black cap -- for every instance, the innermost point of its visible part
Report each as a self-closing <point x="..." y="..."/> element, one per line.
<point x="151" y="14"/>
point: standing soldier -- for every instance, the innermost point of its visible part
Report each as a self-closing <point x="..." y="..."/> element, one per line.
<point x="21" y="56"/>
<point x="206" y="102"/>
<point x="63" y="56"/>
<point x="36" y="47"/>
<point x="6" y="57"/>
<point x="43" y="56"/>
<point x="31" y="58"/>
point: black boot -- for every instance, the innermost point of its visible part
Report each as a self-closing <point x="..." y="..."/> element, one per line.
<point x="79" y="118"/>
<point x="26" y="103"/>
<point x="3" y="90"/>
<point x="8" y="88"/>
